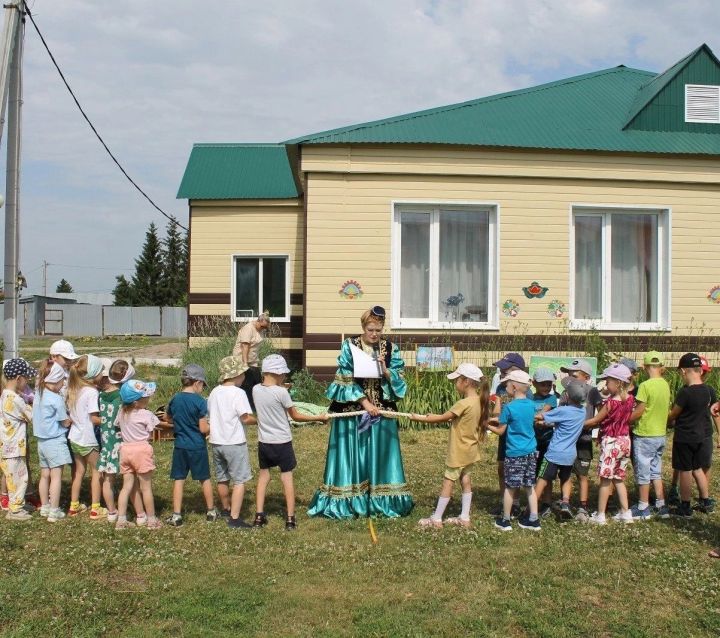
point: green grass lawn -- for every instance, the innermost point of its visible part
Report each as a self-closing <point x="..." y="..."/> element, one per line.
<point x="327" y="579"/>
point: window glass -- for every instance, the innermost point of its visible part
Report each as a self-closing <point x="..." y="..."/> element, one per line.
<point x="274" y="285"/>
<point x="415" y="265"/>
<point x="247" y="279"/>
<point x="588" y="266"/>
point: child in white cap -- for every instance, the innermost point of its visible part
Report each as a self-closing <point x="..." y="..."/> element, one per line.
<point x="468" y="419"/>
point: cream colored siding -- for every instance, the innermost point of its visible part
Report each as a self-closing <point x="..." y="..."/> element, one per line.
<point x="223" y="229"/>
<point x="350" y="218"/>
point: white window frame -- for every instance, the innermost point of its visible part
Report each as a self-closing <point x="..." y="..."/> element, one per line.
<point x="664" y="214"/>
<point x="434" y="207"/>
<point x="256" y="312"/>
<point x="701" y="120"/>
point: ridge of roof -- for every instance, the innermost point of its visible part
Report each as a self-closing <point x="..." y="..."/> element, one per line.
<point x="313" y="137"/>
<point x="238" y="144"/>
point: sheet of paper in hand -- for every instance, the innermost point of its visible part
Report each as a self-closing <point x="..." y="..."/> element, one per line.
<point x="364" y="366"/>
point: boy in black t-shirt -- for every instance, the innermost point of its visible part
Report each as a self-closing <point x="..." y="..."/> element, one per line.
<point x="692" y="442"/>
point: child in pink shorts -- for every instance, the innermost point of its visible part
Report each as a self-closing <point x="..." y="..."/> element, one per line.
<point x="614" y="421"/>
<point x="137" y="460"/>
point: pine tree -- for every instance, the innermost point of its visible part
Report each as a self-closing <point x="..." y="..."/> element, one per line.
<point x="123" y="292"/>
<point x="174" y="279"/>
<point x="64" y="286"/>
<point x="147" y="280"/>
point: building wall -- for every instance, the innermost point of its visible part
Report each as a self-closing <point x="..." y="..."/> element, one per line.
<point x="350" y="195"/>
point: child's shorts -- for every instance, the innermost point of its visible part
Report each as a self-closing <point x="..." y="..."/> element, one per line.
<point x="136" y="458"/>
<point x="581" y="467"/>
<point x="54" y="452"/>
<point x="232" y="463"/>
<point x="614" y="457"/>
<point x="519" y="471"/>
<point x="687" y="457"/>
<point x="454" y="473"/>
<point x="550" y="471"/>
<point x="83" y="450"/>
<point x="193" y="461"/>
<point x="279" y="455"/>
<point x="647" y="452"/>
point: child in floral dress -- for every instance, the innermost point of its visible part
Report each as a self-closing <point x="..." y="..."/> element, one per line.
<point x="614" y="421"/>
<point x="109" y="459"/>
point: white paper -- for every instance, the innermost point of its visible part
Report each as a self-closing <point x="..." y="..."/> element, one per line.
<point x="364" y="366"/>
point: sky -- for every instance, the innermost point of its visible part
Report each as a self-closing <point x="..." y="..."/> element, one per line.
<point x="156" y="77"/>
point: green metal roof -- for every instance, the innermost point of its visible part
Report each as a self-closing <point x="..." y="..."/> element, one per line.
<point x="585" y="113"/>
<point x="238" y="171"/>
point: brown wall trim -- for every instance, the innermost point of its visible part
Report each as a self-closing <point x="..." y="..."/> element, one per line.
<point x="323" y="373"/>
<point x="550" y="343"/>
<point x="209" y="297"/>
<point x="296" y="299"/>
<point x="215" y="325"/>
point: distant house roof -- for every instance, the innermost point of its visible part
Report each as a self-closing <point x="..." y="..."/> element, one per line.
<point x="93" y="298"/>
<point x="238" y="171"/>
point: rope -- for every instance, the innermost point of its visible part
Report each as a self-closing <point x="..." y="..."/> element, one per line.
<point x="388" y="413"/>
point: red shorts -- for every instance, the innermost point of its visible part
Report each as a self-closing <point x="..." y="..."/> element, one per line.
<point x="136" y="458"/>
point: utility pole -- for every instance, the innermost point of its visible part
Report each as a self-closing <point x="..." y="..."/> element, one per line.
<point x="45" y="265"/>
<point x="11" y="49"/>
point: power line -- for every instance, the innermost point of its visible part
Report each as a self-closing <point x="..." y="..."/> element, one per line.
<point x="92" y="267"/>
<point x="94" y="130"/>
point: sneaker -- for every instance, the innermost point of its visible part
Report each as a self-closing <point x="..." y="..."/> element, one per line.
<point x="461" y="522"/>
<point x="45" y="510"/>
<point x="503" y="524"/>
<point x="225" y="514"/>
<point x="546" y="511"/>
<point x="155" y="523"/>
<point x="112" y="517"/>
<point x="124" y="524"/>
<point x="662" y="512"/>
<point x="34" y="500"/>
<point x="4" y="502"/>
<point x="212" y="515"/>
<point x="515" y="511"/>
<point x="78" y="510"/>
<point x="29" y="508"/>
<point x="290" y="524"/>
<point x="706" y="506"/>
<point x="20" y="515"/>
<point x="682" y="512"/>
<point x="673" y="499"/>
<point x="238" y="523"/>
<point x="427" y="523"/>
<point x="626" y="516"/>
<point x="142" y="520"/>
<point x="174" y="521"/>
<point x="582" y="515"/>
<point x="565" y="512"/>
<point x="596" y="519"/>
<point x="526" y="523"/>
<point x="98" y="514"/>
<point x="641" y="515"/>
<point x="55" y="515"/>
<point x="260" y="520"/>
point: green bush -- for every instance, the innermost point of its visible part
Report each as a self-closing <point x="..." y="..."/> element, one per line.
<point x="307" y="389"/>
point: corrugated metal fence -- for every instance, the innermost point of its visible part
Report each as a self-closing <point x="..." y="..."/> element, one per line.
<point x="84" y="320"/>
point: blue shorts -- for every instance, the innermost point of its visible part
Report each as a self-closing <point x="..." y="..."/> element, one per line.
<point x="647" y="452"/>
<point x="193" y="461"/>
<point x="519" y="471"/>
<point x="54" y="452"/>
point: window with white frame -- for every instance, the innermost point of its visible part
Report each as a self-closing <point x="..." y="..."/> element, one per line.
<point x="620" y="277"/>
<point x="260" y="283"/>
<point x="444" y="266"/>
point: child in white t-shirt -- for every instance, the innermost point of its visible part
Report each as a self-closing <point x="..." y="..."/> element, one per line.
<point x="273" y="405"/>
<point x="228" y="411"/>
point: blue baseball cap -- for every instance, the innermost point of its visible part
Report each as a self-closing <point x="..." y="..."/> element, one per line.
<point x="134" y="390"/>
<point x="509" y="360"/>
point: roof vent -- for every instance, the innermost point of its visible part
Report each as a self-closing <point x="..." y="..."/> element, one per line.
<point x="702" y="103"/>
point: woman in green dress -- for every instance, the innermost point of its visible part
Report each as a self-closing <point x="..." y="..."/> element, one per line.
<point x="364" y="473"/>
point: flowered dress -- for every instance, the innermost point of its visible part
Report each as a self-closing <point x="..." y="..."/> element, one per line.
<point x="615" y="439"/>
<point x="364" y="473"/>
<point x="109" y="459"/>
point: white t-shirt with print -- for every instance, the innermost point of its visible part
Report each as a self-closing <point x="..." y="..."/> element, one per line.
<point x="226" y="404"/>
<point x="82" y="430"/>
<point x="271" y="403"/>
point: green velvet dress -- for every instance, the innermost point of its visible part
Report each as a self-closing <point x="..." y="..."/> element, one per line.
<point x="364" y="473"/>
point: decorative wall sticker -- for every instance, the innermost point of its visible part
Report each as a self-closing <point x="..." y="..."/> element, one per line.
<point x="535" y="291"/>
<point x="713" y="295"/>
<point x="557" y="309"/>
<point x="351" y="289"/>
<point x="511" y="308"/>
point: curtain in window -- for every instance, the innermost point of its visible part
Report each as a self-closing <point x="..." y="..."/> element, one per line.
<point x="464" y="266"/>
<point x="588" y="266"/>
<point x="634" y="261"/>
<point x="415" y="265"/>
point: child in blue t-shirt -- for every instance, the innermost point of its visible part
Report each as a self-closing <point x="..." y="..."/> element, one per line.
<point x="187" y="412"/>
<point x="545" y="399"/>
<point x="565" y="425"/>
<point x="516" y="422"/>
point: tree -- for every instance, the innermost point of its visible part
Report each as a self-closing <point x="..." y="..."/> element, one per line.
<point x="123" y="292"/>
<point x="147" y="280"/>
<point x="64" y="286"/>
<point x="174" y="276"/>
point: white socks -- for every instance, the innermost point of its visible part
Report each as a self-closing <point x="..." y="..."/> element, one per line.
<point x="440" y="509"/>
<point x="465" y="511"/>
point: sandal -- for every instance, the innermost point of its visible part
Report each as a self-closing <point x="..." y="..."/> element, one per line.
<point x="714" y="553"/>
<point x="430" y="522"/>
<point x="461" y="522"/>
